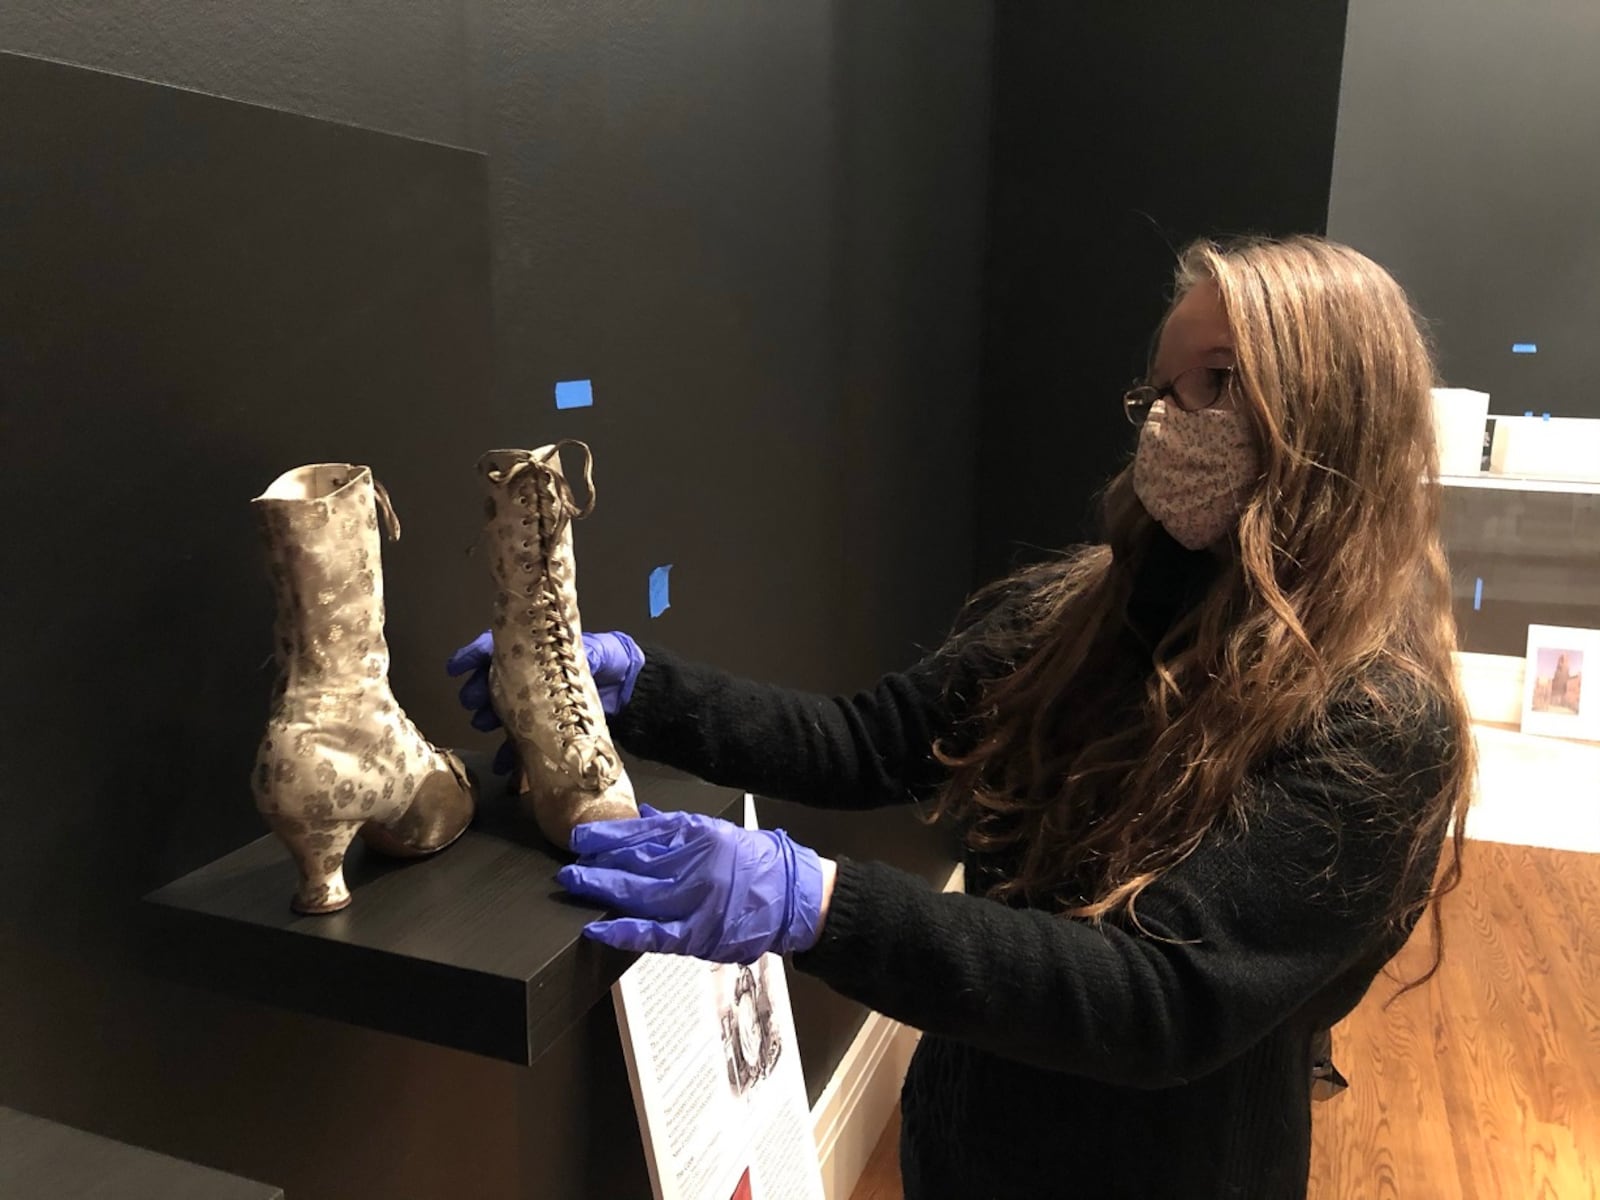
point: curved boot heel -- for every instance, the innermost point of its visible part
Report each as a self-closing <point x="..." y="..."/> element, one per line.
<point x="318" y="849"/>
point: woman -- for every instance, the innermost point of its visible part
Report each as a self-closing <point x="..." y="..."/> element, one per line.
<point x="1204" y="772"/>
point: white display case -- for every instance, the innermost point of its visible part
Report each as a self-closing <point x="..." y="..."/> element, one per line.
<point x="1523" y="551"/>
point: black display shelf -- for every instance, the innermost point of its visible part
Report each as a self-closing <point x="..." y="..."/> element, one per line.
<point x="476" y="948"/>
<point x="41" y="1160"/>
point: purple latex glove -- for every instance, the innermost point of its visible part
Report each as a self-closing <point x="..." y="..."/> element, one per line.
<point x="688" y="884"/>
<point x="615" y="661"/>
<point x="475" y="657"/>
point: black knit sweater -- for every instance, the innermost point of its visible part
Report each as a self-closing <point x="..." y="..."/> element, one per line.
<point x="1063" y="1058"/>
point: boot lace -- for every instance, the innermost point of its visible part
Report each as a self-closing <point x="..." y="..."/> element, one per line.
<point x="555" y="508"/>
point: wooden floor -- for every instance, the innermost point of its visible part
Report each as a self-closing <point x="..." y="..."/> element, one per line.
<point x="1484" y="1084"/>
<point x="881" y="1179"/>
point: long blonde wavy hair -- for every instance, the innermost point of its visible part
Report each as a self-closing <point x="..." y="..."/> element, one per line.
<point x="1335" y="578"/>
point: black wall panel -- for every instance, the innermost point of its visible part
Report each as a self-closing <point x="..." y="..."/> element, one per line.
<point x="757" y="229"/>
<point x="774" y="238"/>
<point x="1120" y="133"/>
<point x="199" y="294"/>
<point x="1468" y="163"/>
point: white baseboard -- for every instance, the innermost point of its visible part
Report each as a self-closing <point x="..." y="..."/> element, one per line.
<point x="850" y="1115"/>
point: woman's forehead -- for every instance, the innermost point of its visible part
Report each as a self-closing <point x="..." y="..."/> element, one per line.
<point x="1196" y="328"/>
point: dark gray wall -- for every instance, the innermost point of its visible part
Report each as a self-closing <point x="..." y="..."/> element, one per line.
<point x="1468" y="163"/>
<point x="1121" y="132"/>
<point x="758" y="229"/>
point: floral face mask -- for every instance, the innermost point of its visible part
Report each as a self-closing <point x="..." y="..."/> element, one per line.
<point x="1193" y="469"/>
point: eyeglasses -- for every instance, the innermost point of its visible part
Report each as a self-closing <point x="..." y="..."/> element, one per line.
<point x="1191" y="390"/>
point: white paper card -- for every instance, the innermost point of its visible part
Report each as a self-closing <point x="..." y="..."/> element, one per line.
<point x="1560" y="697"/>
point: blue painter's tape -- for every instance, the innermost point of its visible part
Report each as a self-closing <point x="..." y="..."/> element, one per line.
<point x="574" y="393"/>
<point x="1547" y="416"/>
<point x="1524" y="347"/>
<point x="659" y="599"/>
<point x="1477" y="596"/>
<point x="1529" y="413"/>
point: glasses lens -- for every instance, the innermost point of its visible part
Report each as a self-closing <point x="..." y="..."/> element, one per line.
<point x="1137" y="403"/>
<point x="1198" y="387"/>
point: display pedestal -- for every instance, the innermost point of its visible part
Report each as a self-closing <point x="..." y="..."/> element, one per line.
<point x="41" y="1160"/>
<point x="476" y="948"/>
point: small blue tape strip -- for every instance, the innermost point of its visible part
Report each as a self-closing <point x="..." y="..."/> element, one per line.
<point x="660" y="601"/>
<point x="1529" y="413"/>
<point x="1524" y="348"/>
<point x="574" y="393"/>
<point x="1477" y="597"/>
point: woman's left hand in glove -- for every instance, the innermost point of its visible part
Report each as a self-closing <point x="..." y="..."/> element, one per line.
<point x="689" y="884"/>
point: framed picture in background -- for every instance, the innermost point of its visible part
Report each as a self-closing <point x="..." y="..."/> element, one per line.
<point x="1561" y="690"/>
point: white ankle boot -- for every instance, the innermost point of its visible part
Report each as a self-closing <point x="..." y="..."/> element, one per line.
<point x="539" y="680"/>
<point x="340" y="757"/>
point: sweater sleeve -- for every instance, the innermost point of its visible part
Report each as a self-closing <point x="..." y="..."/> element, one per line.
<point x="863" y="751"/>
<point x="1236" y="938"/>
